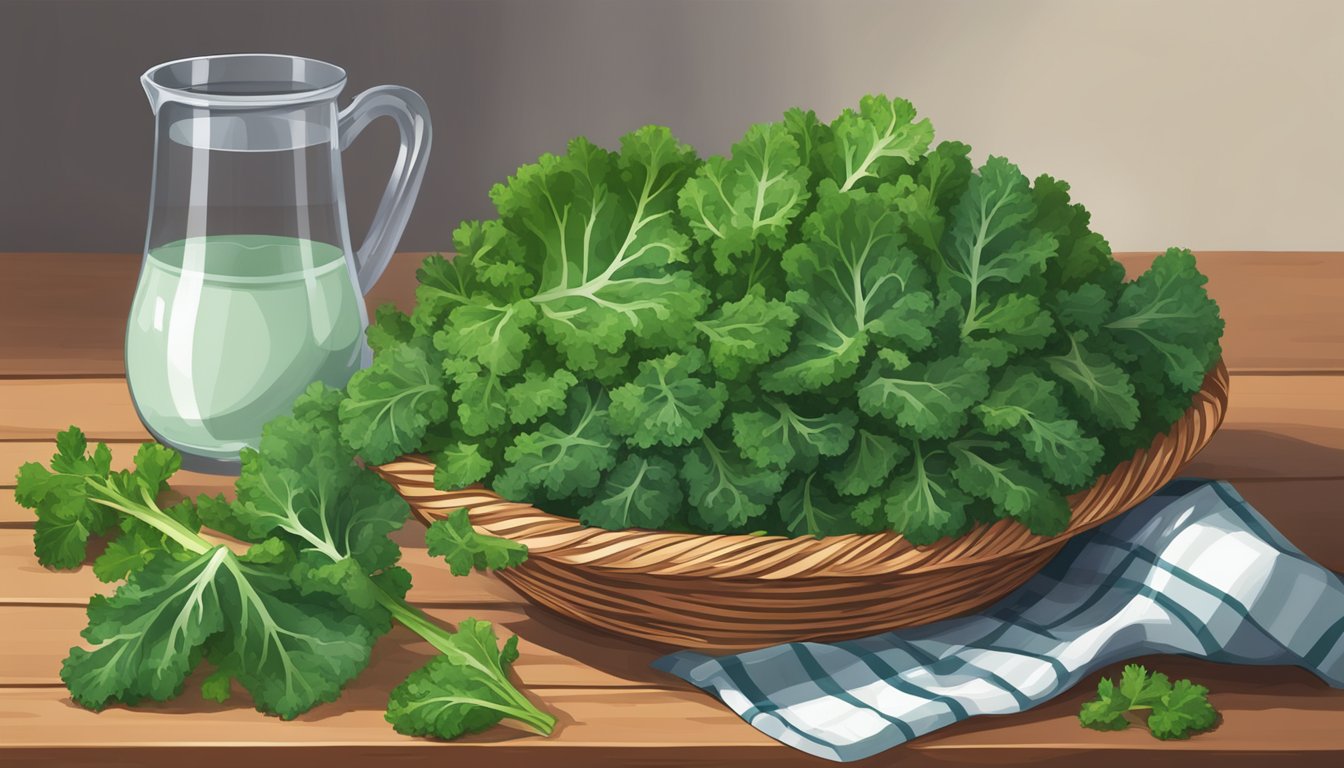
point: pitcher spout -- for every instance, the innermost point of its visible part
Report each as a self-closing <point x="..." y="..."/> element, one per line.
<point x="152" y="92"/>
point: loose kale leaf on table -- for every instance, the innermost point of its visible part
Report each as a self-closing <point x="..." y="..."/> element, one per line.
<point x="1174" y="710"/>
<point x="465" y="550"/>
<point x="293" y="618"/>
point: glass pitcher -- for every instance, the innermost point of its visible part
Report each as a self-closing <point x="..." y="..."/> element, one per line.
<point x="249" y="289"/>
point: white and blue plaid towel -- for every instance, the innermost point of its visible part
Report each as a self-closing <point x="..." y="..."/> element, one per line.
<point x="1194" y="570"/>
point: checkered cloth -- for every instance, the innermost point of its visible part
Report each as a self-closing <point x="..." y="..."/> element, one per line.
<point x="1194" y="570"/>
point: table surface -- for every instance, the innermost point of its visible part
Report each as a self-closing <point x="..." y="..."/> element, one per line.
<point x="63" y="317"/>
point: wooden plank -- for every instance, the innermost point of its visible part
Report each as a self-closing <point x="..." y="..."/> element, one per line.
<point x="1266" y="711"/>
<point x="65" y="313"/>
<point x="36" y="409"/>
<point x="1278" y="427"/>
<point x="24" y="582"/>
<point x="553" y="652"/>
<point x="592" y="717"/>
<point x="1281" y="308"/>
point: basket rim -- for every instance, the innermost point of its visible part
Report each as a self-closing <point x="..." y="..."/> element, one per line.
<point x="566" y="541"/>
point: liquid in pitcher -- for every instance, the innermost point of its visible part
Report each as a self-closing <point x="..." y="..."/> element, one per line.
<point x="226" y="331"/>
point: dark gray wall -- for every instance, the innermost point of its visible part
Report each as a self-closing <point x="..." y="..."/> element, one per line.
<point x="1207" y="123"/>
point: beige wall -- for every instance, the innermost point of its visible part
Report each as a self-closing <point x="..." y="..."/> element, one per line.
<point x="1216" y="125"/>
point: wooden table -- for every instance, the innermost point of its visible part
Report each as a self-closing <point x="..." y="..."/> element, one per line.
<point x="63" y="315"/>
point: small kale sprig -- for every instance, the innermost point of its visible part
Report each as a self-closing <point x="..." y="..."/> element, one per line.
<point x="1175" y="710"/>
<point x="293" y="618"/>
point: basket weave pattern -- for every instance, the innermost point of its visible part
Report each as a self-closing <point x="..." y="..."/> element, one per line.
<point x="728" y="592"/>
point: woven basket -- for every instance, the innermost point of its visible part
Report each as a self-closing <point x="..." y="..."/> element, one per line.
<point x="734" y="592"/>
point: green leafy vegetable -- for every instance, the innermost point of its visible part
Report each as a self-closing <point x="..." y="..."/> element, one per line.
<point x="667" y="403"/>
<point x="1024" y="405"/>
<point x="780" y="437"/>
<point x="929" y="399"/>
<point x="726" y="489"/>
<point x="294" y="617"/>
<point x="389" y="405"/>
<point x="289" y="651"/>
<point x="566" y="456"/>
<point x="466" y="690"/>
<point x="465" y="550"/>
<point x="640" y="492"/>
<point x="1175" y="710"/>
<point x="925" y="501"/>
<point x="749" y="199"/>
<point x="852" y="284"/>
<point x="835" y="327"/>
<point x="1169" y="321"/>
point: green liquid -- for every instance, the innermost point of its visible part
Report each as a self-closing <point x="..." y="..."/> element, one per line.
<point x="225" y="331"/>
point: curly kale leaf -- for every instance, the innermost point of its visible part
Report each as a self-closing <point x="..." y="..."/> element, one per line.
<point x="924" y="501"/>
<point x="597" y="229"/>
<point x="878" y="142"/>
<point x="70" y="511"/>
<point x="745" y="203"/>
<point x="747" y="333"/>
<point x="928" y="399"/>
<point x="186" y="599"/>
<point x="390" y="327"/>
<point x="668" y="402"/>
<point x="389" y="406"/>
<point x="539" y="393"/>
<point x="640" y="492"/>
<point x="1084" y="256"/>
<point x="852" y="284"/>
<point x="1026" y="407"/>
<point x="1169" y="321"/>
<point x="464" y="690"/>
<point x="302" y="485"/>
<point x="564" y="457"/>
<point x="460" y="465"/>
<point x="725" y="489"/>
<point x="867" y="464"/>
<point x="290" y="652"/>
<point x="480" y="396"/>
<point x="457" y="542"/>
<point x="993" y="265"/>
<point x="66" y="516"/>
<point x="809" y="509"/>
<point x="778" y="437"/>
<point x="988" y="470"/>
<point x="1103" y="387"/>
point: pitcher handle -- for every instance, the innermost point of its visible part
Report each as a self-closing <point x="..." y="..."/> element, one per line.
<point x="412" y="117"/>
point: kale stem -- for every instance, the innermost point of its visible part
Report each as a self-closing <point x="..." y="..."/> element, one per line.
<point x="418" y="622"/>
<point x="148" y="512"/>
